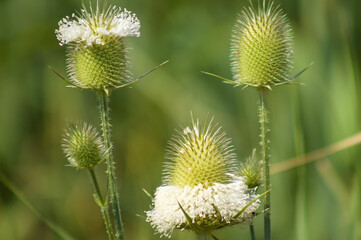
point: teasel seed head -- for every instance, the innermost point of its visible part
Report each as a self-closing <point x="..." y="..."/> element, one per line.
<point x="96" y="51"/>
<point x="261" y="47"/>
<point x="199" y="155"/>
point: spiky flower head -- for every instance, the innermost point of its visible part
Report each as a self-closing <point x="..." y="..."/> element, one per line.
<point x="199" y="155"/>
<point x="261" y="47"/>
<point x="200" y="191"/>
<point x="251" y="171"/>
<point x="82" y="146"/>
<point x="96" y="57"/>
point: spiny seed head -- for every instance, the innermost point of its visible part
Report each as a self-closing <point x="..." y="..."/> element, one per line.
<point x="96" y="57"/>
<point x="261" y="47"/>
<point x="199" y="156"/>
<point x="98" y="67"/>
<point x="82" y="146"/>
<point x="251" y="171"/>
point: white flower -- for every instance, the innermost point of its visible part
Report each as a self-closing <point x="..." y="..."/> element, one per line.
<point x="209" y="208"/>
<point x="91" y="28"/>
<point x="201" y="191"/>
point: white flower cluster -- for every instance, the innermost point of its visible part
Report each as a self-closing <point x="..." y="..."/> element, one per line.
<point x="89" y="28"/>
<point x="219" y="201"/>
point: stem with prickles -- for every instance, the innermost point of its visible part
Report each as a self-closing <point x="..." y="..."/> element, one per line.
<point x="100" y="201"/>
<point x="112" y="187"/>
<point x="251" y="229"/>
<point x="263" y="118"/>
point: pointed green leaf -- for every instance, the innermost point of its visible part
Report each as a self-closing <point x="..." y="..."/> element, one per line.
<point x="222" y="78"/>
<point x="66" y="80"/>
<point x="292" y="78"/>
<point x="248" y="204"/>
<point x="189" y="219"/>
<point x="143" y="75"/>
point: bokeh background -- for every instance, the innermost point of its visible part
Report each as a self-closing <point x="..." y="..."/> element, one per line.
<point x="316" y="201"/>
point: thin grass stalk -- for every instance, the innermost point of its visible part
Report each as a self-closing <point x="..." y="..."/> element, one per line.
<point x="102" y="204"/>
<point x="317" y="154"/>
<point x="301" y="193"/>
<point x="20" y="196"/>
<point x="112" y="187"/>
<point x="263" y="118"/>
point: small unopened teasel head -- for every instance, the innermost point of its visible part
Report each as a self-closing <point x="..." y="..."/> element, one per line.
<point x="82" y="146"/>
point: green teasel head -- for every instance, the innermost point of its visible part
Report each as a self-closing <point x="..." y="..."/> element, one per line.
<point x="82" y="145"/>
<point x="200" y="155"/>
<point x="96" y="51"/>
<point x="261" y="47"/>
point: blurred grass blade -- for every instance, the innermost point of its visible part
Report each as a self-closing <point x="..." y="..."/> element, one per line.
<point x="54" y="227"/>
<point x="335" y="183"/>
<point x="316" y="155"/>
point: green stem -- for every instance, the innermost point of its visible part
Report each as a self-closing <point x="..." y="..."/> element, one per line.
<point x="112" y="187"/>
<point x="263" y="115"/>
<point x="103" y="205"/>
<point x="251" y="229"/>
<point x="204" y="235"/>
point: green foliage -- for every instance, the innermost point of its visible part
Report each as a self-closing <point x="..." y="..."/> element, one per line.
<point x="194" y="36"/>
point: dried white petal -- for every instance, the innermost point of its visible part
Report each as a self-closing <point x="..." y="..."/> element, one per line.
<point x="219" y="202"/>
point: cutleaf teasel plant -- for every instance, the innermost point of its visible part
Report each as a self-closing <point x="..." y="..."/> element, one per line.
<point x="95" y="40"/>
<point x="202" y="190"/>
<point x="261" y="57"/>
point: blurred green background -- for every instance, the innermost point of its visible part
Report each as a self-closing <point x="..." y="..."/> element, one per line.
<point x="315" y="201"/>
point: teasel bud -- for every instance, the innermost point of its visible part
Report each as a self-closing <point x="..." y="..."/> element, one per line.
<point x="82" y="146"/>
<point x="96" y="51"/>
<point x="200" y="190"/>
<point x="251" y="171"/>
<point x="261" y="47"/>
